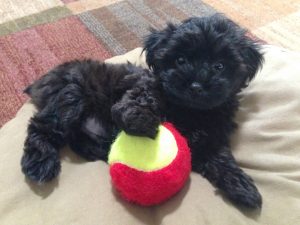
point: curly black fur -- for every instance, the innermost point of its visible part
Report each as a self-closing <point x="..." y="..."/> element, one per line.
<point x="84" y="104"/>
<point x="202" y="65"/>
<point x="199" y="67"/>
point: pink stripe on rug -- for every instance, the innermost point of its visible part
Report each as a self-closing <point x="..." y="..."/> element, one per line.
<point x="26" y="55"/>
<point x="68" y="1"/>
<point x="69" y="39"/>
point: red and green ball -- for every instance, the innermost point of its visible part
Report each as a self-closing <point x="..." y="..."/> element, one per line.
<point x="149" y="172"/>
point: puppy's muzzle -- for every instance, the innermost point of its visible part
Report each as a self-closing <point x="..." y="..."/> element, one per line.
<point x="196" y="87"/>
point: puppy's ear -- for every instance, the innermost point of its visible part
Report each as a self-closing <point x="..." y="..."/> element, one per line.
<point x="154" y="44"/>
<point x="253" y="59"/>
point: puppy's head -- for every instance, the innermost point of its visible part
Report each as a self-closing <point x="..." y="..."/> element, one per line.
<point x="204" y="61"/>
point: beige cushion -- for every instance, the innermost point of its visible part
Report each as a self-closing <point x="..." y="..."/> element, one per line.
<point x="267" y="146"/>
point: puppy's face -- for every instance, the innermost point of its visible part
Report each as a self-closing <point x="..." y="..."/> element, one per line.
<point x="202" y="62"/>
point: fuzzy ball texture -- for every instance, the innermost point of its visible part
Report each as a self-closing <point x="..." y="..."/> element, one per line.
<point x="146" y="171"/>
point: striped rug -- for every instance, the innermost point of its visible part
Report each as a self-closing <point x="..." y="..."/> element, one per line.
<point x="36" y="35"/>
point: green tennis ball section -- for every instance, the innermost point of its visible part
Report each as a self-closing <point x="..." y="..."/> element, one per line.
<point x="143" y="153"/>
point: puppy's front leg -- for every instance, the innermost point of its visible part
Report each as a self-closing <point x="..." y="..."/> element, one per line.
<point x="222" y="170"/>
<point x="138" y="112"/>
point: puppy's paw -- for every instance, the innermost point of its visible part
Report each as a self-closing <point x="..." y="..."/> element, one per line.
<point x="241" y="190"/>
<point x="136" y="120"/>
<point x="148" y="101"/>
<point x="141" y="123"/>
<point x="40" y="165"/>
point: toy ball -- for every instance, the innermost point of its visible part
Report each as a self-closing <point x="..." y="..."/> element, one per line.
<point x="146" y="171"/>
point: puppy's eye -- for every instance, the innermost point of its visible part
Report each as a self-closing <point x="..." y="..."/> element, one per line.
<point x="180" y="60"/>
<point x="218" y="66"/>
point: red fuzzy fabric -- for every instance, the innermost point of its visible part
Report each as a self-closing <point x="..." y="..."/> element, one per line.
<point x="151" y="188"/>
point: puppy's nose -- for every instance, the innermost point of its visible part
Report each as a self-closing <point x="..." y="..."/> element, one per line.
<point x="196" y="87"/>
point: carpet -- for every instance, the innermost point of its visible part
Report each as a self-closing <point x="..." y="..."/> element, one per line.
<point x="36" y="35"/>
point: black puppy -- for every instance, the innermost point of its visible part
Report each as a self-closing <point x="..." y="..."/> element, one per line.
<point x="84" y="104"/>
<point x="202" y="65"/>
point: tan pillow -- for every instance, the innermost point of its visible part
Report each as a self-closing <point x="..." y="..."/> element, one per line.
<point x="266" y="146"/>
